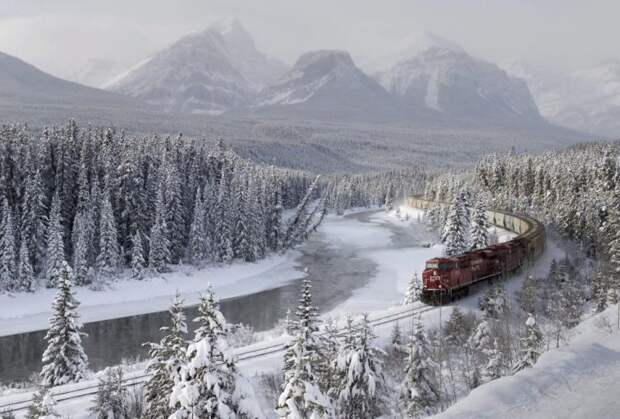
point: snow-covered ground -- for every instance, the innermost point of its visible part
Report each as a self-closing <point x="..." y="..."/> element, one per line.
<point x="579" y="380"/>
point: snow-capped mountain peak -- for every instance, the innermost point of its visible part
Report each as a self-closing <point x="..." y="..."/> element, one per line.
<point x="211" y="71"/>
<point x="327" y="83"/>
<point x="447" y="79"/>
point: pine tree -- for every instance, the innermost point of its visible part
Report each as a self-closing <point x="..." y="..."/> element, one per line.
<point x="456" y="329"/>
<point x="198" y="232"/>
<point x="413" y="290"/>
<point x="175" y="222"/>
<point x="493" y="302"/>
<point x="64" y="360"/>
<point x="138" y="263"/>
<point x="8" y="278"/>
<point x="159" y="254"/>
<point x="481" y="345"/>
<point x="420" y="390"/>
<point x="301" y="394"/>
<point x="108" y="260"/>
<point x="111" y="399"/>
<point x="166" y="359"/>
<point x="359" y="392"/>
<point x="494" y="368"/>
<point x="396" y="338"/>
<point x="25" y="273"/>
<point x="43" y="405"/>
<point x="479" y="229"/>
<point x="33" y="220"/>
<point x="207" y="387"/>
<point x="527" y="296"/>
<point x="225" y="220"/>
<point x="454" y="230"/>
<point x="80" y="248"/>
<point x="389" y="199"/>
<point x="55" y="254"/>
<point x="531" y="345"/>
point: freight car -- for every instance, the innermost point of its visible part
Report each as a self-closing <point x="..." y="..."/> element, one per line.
<point x="447" y="278"/>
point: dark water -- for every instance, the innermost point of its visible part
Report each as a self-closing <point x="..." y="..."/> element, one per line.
<point x="335" y="272"/>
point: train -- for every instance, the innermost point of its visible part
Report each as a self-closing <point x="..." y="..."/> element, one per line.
<point x="446" y="279"/>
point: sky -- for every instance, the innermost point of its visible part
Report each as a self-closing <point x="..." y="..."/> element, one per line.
<point x="60" y="36"/>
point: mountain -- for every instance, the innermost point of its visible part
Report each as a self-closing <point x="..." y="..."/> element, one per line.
<point x="327" y="84"/>
<point x="96" y="72"/>
<point x="207" y="72"/>
<point x="587" y="100"/>
<point x="25" y="86"/>
<point x="446" y="79"/>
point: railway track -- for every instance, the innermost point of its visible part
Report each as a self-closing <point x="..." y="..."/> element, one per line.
<point x="242" y="356"/>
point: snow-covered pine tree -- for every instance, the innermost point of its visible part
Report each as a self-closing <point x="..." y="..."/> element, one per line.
<point x="274" y="225"/>
<point x="479" y="228"/>
<point x="111" y="399"/>
<point x="43" y="405"/>
<point x="25" y="273"/>
<point x="33" y="220"/>
<point x="359" y="394"/>
<point x="599" y="289"/>
<point x="531" y="345"/>
<point x="454" y="230"/>
<point x="159" y="251"/>
<point x="108" y="260"/>
<point x="495" y="367"/>
<point x="55" y="253"/>
<point x="396" y="337"/>
<point x="64" y="359"/>
<point x="243" y="240"/>
<point x="457" y="330"/>
<point x="175" y="221"/>
<point x="301" y="395"/>
<point x="527" y="296"/>
<point x="8" y="280"/>
<point x="420" y="391"/>
<point x="223" y="242"/>
<point x="493" y="302"/>
<point x="481" y="345"/>
<point x="138" y="264"/>
<point x="330" y="349"/>
<point x="198" y="231"/>
<point x="389" y="199"/>
<point x="81" y="236"/>
<point x="166" y="359"/>
<point x="413" y="290"/>
<point x="207" y="387"/>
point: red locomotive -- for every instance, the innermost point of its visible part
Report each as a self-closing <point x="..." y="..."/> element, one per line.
<point x="448" y="278"/>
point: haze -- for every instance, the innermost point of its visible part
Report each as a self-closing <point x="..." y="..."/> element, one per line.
<point x="61" y="36"/>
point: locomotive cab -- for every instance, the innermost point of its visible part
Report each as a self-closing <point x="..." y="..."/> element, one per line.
<point x="436" y="280"/>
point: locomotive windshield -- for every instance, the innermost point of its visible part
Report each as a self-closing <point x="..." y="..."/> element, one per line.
<point x="436" y="265"/>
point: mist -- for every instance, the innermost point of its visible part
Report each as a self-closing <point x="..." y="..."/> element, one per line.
<point x="61" y="36"/>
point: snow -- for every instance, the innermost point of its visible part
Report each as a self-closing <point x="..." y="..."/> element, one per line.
<point x="26" y="312"/>
<point x="394" y="266"/>
<point x="576" y="381"/>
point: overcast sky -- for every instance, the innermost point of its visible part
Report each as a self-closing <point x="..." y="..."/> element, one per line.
<point x="60" y="35"/>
